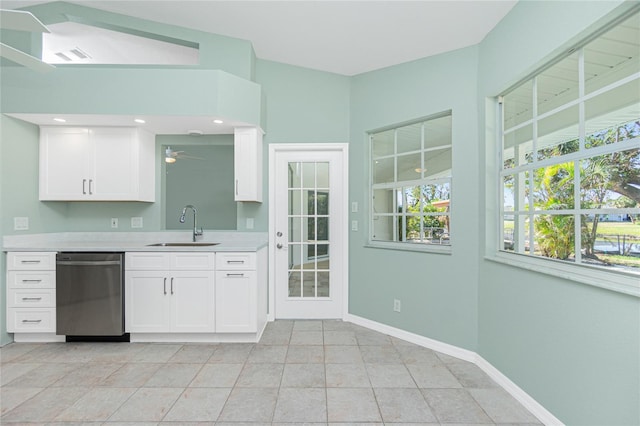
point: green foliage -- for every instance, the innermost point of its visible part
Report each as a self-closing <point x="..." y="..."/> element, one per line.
<point x="554" y="235"/>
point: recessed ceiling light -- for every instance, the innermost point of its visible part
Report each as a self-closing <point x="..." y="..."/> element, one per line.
<point x="60" y="120"/>
<point x="218" y="121"/>
<point x="139" y="120"/>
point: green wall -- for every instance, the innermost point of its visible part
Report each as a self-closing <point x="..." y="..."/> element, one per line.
<point x="438" y="296"/>
<point x="302" y="106"/>
<point x="572" y="347"/>
<point x="204" y="179"/>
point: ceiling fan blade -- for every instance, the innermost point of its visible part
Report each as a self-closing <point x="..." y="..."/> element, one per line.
<point x="190" y="157"/>
<point x="22" y="21"/>
<point x="22" y="58"/>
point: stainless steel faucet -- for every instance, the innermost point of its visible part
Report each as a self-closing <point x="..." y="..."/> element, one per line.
<point x="196" y="232"/>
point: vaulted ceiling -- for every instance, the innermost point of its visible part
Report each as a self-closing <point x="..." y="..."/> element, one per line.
<point x="344" y="37"/>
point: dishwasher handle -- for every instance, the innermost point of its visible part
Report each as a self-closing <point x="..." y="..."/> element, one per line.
<point x="88" y="262"/>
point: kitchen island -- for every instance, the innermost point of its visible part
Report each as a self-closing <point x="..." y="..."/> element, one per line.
<point x="175" y="291"/>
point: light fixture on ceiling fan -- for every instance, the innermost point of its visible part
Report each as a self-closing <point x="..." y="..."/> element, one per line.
<point x="22" y="21"/>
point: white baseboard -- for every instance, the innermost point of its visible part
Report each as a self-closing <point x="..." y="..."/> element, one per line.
<point x="435" y="345"/>
<point x="514" y="390"/>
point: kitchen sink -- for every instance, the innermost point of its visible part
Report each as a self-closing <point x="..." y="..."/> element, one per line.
<point x="182" y="244"/>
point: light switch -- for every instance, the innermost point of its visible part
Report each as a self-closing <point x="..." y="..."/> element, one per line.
<point x="354" y="225"/>
<point x="354" y="207"/>
<point x="249" y="223"/>
<point x="136" y="222"/>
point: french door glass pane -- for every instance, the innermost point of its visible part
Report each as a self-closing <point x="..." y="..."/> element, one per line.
<point x="308" y="225"/>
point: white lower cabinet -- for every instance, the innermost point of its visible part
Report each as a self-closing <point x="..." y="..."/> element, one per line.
<point x="161" y="297"/>
<point x="31" y="292"/>
<point x="196" y="296"/>
<point x="241" y="291"/>
<point x="236" y="302"/>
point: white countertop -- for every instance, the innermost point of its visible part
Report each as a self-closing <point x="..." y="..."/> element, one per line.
<point x="134" y="241"/>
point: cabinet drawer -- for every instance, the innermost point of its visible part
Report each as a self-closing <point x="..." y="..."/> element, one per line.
<point x="32" y="261"/>
<point x="31" y="298"/>
<point x="146" y="261"/>
<point x="192" y="261"/>
<point x="27" y="279"/>
<point x="32" y="320"/>
<point x="235" y="261"/>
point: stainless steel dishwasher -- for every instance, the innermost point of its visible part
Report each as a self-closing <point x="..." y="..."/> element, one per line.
<point x="89" y="294"/>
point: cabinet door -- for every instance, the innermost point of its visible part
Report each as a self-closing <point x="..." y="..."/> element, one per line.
<point x="148" y="302"/>
<point x="247" y="164"/>
<point x="115" y="164"/>
<point x="65" y="155"/>
<point x="236" y="302"/>
<point x="192" y="301"/>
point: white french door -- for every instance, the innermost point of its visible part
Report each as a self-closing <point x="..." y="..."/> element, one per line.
<point x="308" y="230"/>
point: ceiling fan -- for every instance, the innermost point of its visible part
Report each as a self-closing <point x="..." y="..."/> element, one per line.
<point x="170" y="156"/>
<point x="22" y="21"/>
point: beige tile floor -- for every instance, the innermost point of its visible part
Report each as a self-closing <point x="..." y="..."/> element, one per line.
<point x="315" y="372"/>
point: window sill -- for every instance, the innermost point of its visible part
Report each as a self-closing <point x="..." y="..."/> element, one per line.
<point x="415" y="247"/>
<point x="621" y="282"/>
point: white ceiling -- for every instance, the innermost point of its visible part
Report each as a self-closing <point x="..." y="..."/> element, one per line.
<point x="344" y="37"/>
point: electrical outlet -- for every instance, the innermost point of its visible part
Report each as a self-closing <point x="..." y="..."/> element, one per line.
<point x="354" y="207"/>
<point x="20" y="223"/>
<point x="114" y="222"/>
<point x="354" y="225"/>
<point x="136" y="222"/>
<point x="397" y="306"/>
<point x="249" y="223"/>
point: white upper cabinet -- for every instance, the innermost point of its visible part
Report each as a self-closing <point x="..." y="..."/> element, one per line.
<point x="97" y="164"/>
<point x="247" y="164"/>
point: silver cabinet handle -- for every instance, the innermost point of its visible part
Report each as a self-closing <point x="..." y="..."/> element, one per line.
<point x="235" y="275"/>
<point x="171" y="285"/>
<point x="229" y="262"/>
<point x="236" y="186"/>
<point x="31" y="298"/>
<point x="84" y="187"/>
<point x="31" y="281"/>
<point x="164" y="285"/>
<point x="24" y="321"/>
<point x="30" y="261"/>
<point x="90" y="182"/>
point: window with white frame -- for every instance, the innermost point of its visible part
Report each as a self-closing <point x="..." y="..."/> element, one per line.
<point x="411" y="182"/>
<point x="570" y="167"/>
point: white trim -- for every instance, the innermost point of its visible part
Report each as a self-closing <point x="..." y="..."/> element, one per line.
<point x="343" y="148"/>
<point x="516" y="392"/>
<point x="503" y="381"/>
<point x="620" y="281"/>
<point x="37" y="338"/>
<point x="426" y="342"/>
